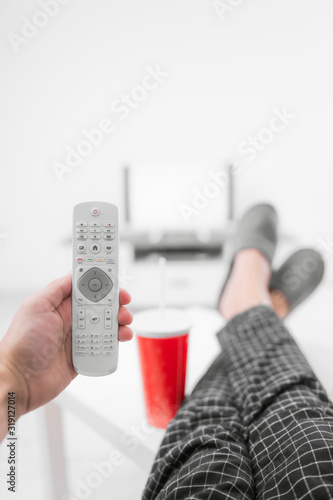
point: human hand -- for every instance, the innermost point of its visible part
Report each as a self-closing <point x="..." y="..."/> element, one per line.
<point x="36" y="352"/>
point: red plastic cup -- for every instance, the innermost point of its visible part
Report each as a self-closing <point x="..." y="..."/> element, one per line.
<point x="162" y="343"/>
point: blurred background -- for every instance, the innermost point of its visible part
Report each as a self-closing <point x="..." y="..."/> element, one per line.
<point x="183" y="113"/>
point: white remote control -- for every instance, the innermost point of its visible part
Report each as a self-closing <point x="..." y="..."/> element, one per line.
<point x="95" y="288"/>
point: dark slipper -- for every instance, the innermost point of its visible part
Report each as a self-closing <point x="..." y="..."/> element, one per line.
<point x="299" y="276"/>
<point x="257" y="230"/>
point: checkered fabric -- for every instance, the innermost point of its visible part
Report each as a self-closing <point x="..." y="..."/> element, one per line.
<point x="258" y="425"/>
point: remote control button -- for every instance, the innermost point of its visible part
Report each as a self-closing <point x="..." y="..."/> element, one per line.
<point x="94" y="341"/>
<point x="94" y="335"/>
<point x="95" y="224"/>
<point x="81" y="335"/>
<point x="81" y="347"/>
<point x="95" y="248"/>
<point x="108" y="248"/>
<point x="101" y="259"/>
<point x="95" y="237"/>
<point x="108" y="230"/>
<point x="95" y="285"/>
<point x="79" y="259"/>
<point x="81" y="248"/>
<point x="95" y="230"/>
<point x="81" y="341"/>
<point x="82" y="323"/>
<point x="107" y="335"/>
<point x="108" y="224"/>
<point x="108" y="319"/>
<point x="110" y="260"/>
<point x="109" y="236"/>
<point x="95" y="212"/>
<point x="103" y="280"/>
<point x="95" y="353"/>
<point x="81" y="353"/>
<point x="90" y="259"/>
<point x="81" y="230"/>
<point x="81" y="237"/>
<point x="81" y="224"/>
<point x="107" y="353"/>
<point x="94" y="319"/>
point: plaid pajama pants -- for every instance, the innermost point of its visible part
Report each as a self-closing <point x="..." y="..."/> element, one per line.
<point x="258" y="425"/>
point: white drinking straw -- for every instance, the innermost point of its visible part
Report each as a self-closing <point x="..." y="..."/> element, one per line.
<point x="162" y="267"/>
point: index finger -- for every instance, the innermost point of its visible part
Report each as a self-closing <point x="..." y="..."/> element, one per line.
<point x="124" y="297"/>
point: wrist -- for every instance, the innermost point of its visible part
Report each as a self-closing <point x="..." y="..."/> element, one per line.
<point x="13" y="381"/>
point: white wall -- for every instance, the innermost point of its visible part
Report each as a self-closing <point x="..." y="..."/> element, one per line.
<point x="225" y="79"/>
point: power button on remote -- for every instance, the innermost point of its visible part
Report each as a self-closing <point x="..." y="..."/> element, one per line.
<point x="95" y="211"/>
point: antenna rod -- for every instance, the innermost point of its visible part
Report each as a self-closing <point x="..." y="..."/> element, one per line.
<point x="126" y="181"/>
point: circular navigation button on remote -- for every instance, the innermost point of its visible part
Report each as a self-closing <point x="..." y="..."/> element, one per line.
<point x="95" y="248"/>
<point x="95" y="211"/>
<point x="95" y="285"/>
<point x="81" y="248"/>
<point x="108" y="248"/>
<point x="94" y="319"/>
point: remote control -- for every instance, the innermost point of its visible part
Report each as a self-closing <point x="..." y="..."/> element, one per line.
<point x="95" y="296"/>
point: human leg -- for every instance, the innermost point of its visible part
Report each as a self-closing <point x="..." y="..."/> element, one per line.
<point x="286" y="415"/>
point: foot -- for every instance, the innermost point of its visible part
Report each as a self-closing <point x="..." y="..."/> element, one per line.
<point x="280" y="303"/>
<point x="296" y="280"/>
<point x="248" y="285"/>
